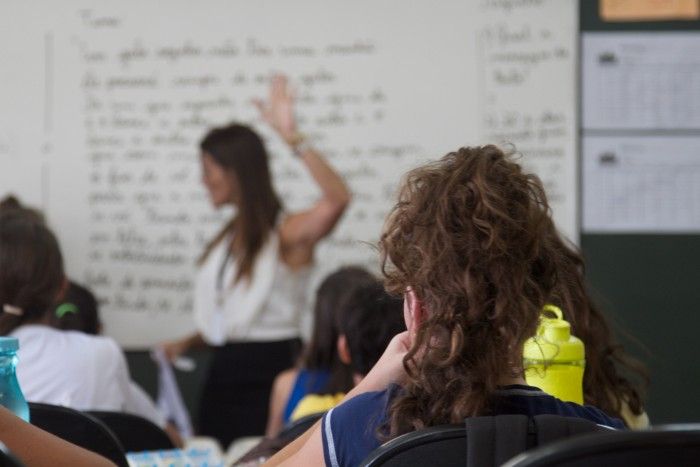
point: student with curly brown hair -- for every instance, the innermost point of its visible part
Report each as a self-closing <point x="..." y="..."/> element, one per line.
<point x="472" y="247"/>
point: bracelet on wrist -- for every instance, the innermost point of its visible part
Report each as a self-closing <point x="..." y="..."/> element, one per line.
<point x="301" y="148"/>
<point x="299" y="144"/>
<point x="295" y="139"/>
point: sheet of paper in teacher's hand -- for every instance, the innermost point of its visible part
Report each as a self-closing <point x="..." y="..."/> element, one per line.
<point x="170" y="400"/>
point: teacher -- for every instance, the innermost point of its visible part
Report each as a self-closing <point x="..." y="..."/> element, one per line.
<point x="253" y="276"/>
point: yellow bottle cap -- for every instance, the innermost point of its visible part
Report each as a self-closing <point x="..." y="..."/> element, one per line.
<point x="554" y="342"/>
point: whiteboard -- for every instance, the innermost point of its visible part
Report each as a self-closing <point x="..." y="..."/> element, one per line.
<point x="103" y="105"/>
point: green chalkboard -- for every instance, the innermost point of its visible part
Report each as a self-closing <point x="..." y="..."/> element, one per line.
<point x="650" y="285"/>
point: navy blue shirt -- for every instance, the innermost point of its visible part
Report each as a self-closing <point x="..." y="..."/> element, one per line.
<point x="350" y="429"/>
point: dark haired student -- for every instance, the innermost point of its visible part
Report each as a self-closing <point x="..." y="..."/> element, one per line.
<point x="253" y="276"/>
<point x="57" y="367"/>
<point x="321" y="370"/>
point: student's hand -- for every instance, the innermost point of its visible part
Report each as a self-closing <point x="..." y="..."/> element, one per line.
<point x="389" y="369"/>
<point x="278" y="111"/>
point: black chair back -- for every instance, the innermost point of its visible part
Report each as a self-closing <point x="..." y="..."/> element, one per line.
<point x="7" y="459"/>
<point x="438" y="446"/>
<point x="674" y="445"/>
<point x="78" y="428"/>
<point x="481" y="441"/>
<point x="295" y="429"/>
<point x="133" y="432"/>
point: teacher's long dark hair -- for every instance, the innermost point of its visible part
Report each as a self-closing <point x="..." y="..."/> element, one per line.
<point x="239" y="150"/>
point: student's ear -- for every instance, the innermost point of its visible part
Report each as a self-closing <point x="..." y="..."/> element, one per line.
<point x="343" y="349"/>
<point x="413" y="311"/>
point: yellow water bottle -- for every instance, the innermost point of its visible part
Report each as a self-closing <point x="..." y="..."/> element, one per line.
<point x="554" y="360"/>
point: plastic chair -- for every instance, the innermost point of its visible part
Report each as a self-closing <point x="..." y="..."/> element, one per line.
<point x="672" y="445"/>
<point x="480" y="441"/>
<point x="133" y="432"/>
<point x="296" y="428"/>
<point x="438" y="446"/>
<point x="7" y="459"/>
<point x="78" y="428"/>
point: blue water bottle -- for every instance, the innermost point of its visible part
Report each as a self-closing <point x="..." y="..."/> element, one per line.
<point x="11" y="396"/>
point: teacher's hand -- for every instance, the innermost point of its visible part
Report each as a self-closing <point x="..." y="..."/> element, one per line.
<point x="175" y="349"/>
<point x="278" y="110"/>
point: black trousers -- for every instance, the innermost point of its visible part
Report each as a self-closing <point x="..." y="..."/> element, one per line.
<point x="237" y="388"/>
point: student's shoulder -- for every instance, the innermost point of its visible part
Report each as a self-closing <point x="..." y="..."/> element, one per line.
<point x="593" y="414"/>
<point x="286" y="378"/>
<point x="350" y="431"/>
<point x="368" y="408"/>
<point x="99" y="347"/>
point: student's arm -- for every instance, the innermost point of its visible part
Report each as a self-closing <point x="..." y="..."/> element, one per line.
<point x="281" y="389"/>
<point x="308" y="448"/>
<point x="37" y="448"/>
<point x="310" y="226"/>
<point x="307" y="227"/>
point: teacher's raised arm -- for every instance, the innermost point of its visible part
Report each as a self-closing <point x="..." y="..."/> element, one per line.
<point x="301" y="231"/>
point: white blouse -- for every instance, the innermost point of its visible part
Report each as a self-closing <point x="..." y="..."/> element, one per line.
<point x="80" y="371"/>
<point x="265" y="307"/>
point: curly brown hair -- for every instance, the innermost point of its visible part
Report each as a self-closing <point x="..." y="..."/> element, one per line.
<point x="612" y="378"/>
<point x="472" y="235"/>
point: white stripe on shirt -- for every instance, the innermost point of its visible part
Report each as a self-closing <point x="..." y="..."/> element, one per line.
<point x="329" y="440"/>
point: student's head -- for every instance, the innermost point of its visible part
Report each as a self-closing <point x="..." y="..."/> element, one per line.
<point x="31" y="271"/>
<point x="370" y="318"/>
<point x="78" y="311"/>
<point x="11" y="204"/>
<point x="468" y="246"/>
<point x="331" y="298"/>
<point x="235" y="171"/>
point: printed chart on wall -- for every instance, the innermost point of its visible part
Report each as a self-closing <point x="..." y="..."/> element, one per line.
<point x="641" y="121"/>
<point x="105" y="105"/>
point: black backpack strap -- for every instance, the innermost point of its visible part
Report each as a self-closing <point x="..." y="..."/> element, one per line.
<point x="553" y="427"/>
<point x="493" y="440"/>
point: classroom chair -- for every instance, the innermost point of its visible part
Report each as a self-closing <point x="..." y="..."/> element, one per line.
<point x="296" y="428"/>
<point x="133" y="432"/>
<point x="78" y="428"/>
<point x="7" y="459"/>
<point x="479" y="442"/>
<point x="671" y="445"/>
<point x="268" y="447"/>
